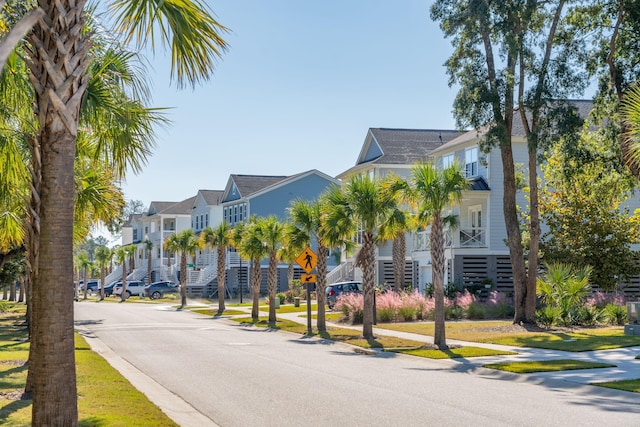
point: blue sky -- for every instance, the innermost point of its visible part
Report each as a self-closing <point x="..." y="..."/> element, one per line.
<point x="297" y="90"/>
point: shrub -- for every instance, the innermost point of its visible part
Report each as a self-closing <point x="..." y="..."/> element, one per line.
<point x="296" y="289"/>
<point x="615" y="314"/>
<point x="476" y="310"/>
<point x="601" y="299"/>
<point x="387" y="305"/>
<point x="281" y="296"/>
<point x="548" y="315"/>
<point x="352" y="306"/>
<point x="498" y="306"/>
<point x="565" y="287"/>
<point x="589" y="315"/>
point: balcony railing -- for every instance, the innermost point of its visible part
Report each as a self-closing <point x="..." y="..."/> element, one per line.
<point x="422" y="240"/>
<point x="474" y="238"/>
<point x="466" y="238"/>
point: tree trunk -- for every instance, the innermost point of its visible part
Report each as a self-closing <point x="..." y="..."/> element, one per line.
<point x="368" y="279"/>
<point x="102" y="277"/>
<point x="183" y="280"/>
<point x="21" y="294"/>
<point x="12" y="291"/>
<point x="221" y="273"/>
<point x="272" y="281"/>
<point x="289" y="275"/>
<point x="256" y="277"/>
<point x="399" y="260"/>
<point x="321" y="286"/>
<point x="534" y="241"/>
<point x="438" y="264"/>
<point x="149" y="267"/>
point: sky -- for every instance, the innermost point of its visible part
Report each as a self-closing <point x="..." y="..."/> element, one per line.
<point x="299" y="87"/>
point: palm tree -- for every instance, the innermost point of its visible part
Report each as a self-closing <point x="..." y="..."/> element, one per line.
<point x="186" y="243"/>
<point x="292" y="247"/>
<point x="272" y="232"/>
<point x="103" y="255"/>
<point x="431" y="192"/>
<point x="361" y="202"/>
<point x="84" y="264"/>
<point x="122" y="254"/>
<point x="250" y="245"/>
<point x="219" y="238"/>
<point x="306" y="216"/>
<point x="630" y="110"/>
<point x="58" y="52"/>
<point x="148" y="245"/>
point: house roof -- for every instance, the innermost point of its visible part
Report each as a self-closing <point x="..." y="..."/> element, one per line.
<point x="404" y="146"/>
<point x="582" y="106"/>
<point x="131" y="219"/>
<point x="212" y="197"/>
<point x="171" y="208"/>
<point x="250" y="184"/>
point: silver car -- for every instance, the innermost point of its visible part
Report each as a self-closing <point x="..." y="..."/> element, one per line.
<point x="335" y="289"/>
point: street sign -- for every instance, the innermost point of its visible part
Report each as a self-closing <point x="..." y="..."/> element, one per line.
<point x="308" y="278"/>
<point x="307" y="260"/>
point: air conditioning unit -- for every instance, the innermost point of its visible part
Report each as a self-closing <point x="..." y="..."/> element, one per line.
<point x="633" y="312"/>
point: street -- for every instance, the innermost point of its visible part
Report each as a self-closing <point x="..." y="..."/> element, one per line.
<point x="240" y="376"/>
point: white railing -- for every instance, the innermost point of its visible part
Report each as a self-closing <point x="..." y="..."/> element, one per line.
<point x="341" y="273"/>
<point x="116" y="274"/>
<point x="201" y="277"/>
<point x="137" y="274"/>
<point x="422" y="240"/>
<point x="473" y="238"/>
<point x="206" y="259"/>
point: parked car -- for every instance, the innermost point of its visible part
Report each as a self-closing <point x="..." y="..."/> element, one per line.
<point x="134" y="287"/>
<point x="92" y="285"/>
<point x="160" y="289"/>
<point x="108" y="290"/>
<point x="336" y="289"/>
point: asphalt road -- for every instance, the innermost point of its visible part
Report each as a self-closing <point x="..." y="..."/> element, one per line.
<point x="245" y="376"/>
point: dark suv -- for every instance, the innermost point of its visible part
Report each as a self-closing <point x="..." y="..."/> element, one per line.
<point x="159" y="289"/>
<point x="335" y="289"/>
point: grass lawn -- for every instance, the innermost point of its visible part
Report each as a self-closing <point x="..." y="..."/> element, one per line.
<point x="625" y="385"/>
<point x="505" y="333"/>
<point x="214" y="312"/>
<point x="105" y="398"/>
<point x="546" y="366"/>
<point x="394" y="344"/>
<point x="453" y="353"/>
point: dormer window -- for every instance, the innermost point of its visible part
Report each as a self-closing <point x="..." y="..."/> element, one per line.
<point x="471" y="162"/>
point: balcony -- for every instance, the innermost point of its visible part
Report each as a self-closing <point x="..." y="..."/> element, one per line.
<point x="464" y="238"/>
<point x="473" y="238"/>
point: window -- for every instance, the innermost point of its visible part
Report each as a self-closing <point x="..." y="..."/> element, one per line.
<point x="447" y="161"/>
<point x="471" y="161"/>
<point x="475" y="217"/>
<point x="206" y="220"/>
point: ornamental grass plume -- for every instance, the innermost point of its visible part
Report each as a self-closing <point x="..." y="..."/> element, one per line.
<point x="387" y="305"/>
<point x="352" y="306"/>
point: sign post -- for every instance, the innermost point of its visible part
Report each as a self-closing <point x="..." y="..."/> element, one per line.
<point x="308" y="260"/>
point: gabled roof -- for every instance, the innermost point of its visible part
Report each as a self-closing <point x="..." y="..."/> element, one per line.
<point x="132" y="218"/>
<point x="250" y="184"/>
<point x="582" y="106"/>
<point x="212" y="197"/>
<point x="402" y="146"/>
<point x="171" y="208"/>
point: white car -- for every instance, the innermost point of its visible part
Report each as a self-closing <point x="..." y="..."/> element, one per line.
<point x="134" y="287"/>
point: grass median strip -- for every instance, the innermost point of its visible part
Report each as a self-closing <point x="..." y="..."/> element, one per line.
<point x="506" y="333"/>
<point x="453" y="352"/>
<point x="546" y="366"/>
<point x="105" y="398"/>
<point x="624" y="385"/>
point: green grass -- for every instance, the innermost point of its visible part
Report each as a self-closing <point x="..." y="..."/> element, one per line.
<point x="497" y="332"/>
<point x="546" y="366"/>
<point x="453" y="353"/>
<point x="625" y="385"/>
<point x="214" y="312"/>
<point x="105" y="398"/>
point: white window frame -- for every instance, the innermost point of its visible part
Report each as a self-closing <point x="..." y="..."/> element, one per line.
<point x="447" y="160"/>
<point x="471" y="161"/>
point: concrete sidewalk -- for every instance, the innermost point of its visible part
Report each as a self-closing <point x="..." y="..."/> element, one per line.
<point x="627" y="366"/>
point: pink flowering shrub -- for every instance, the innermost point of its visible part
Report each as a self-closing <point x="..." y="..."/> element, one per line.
<point x="601" y="299"/>
<point x="415" y="305"/>
<point x="387" y="305"/>
<point x="498" y="305"/>
<point x="352" y="306"/>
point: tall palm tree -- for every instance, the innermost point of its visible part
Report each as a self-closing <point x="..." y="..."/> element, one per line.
<point x="148" y="246"/>
<point x="362" y="203"/>
<point x="431" y="192"/>
<point x="186" y="244"/>
<point x="251" y="246"/>
<point x="292" y="247"/>
<point x="630" y="110"/>
<point x="58" y="52"/>
<point x="306" y="216"/>
<point x="272" y="231"/>
<point x="122" y="255"/>
<point x="84" y="264"/>
<point x="103" y="256"/>
<point x="219" y="238"/>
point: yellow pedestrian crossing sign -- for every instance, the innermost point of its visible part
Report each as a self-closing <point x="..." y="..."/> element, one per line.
<point x="308" y="278"/>
<point x="307" y="260"/>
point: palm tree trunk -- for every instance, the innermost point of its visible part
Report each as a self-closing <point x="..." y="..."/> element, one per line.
<point x="102" y="277"/>
<point x="399" y="252"/>
<point x="149" y="267"/>
<point x="123" y="295"/>
<point x="271" y="286"/>
<point x="321" y="286"/>
<point x="256" y="277"/>
<point x="183" y="280"/>
<point x="222" y="261"/>
<point x="437" y="262"/>
<point x="368" y="279"/>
